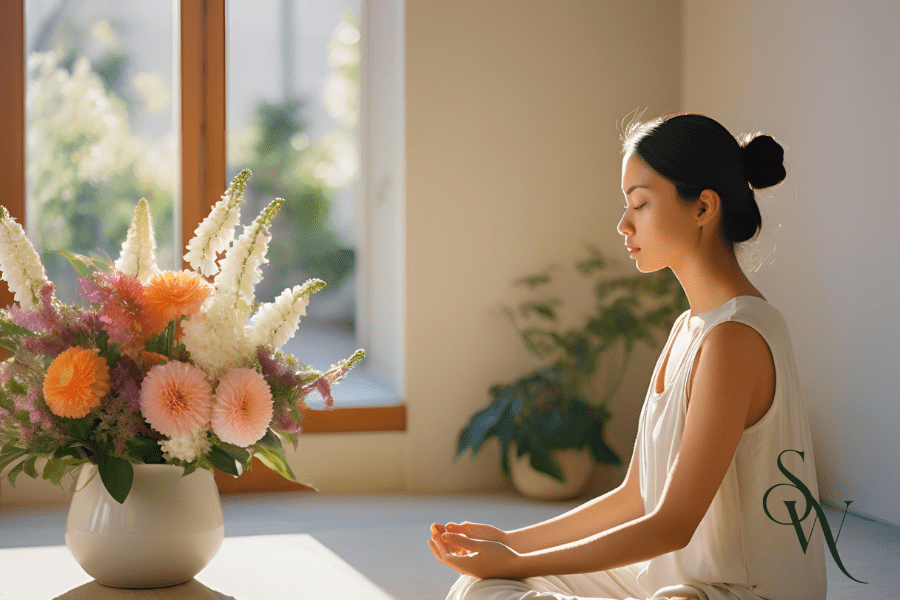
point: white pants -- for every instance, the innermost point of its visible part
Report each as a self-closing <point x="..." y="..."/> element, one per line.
<point x="614" y="584"/>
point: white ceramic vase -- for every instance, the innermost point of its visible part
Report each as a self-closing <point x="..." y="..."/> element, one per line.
<point x="576" y="466"/>
<point x="167" y="530"/>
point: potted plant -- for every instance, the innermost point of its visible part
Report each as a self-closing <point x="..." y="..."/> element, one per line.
<point x="560" y="409"/>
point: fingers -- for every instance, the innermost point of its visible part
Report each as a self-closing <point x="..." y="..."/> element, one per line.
<point x="460" y="541"/>
<point x="435" y="551"/>
<point x="437" y="530"/>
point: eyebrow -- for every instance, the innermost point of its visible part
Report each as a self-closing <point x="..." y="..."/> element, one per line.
<point x="639" y="185"/>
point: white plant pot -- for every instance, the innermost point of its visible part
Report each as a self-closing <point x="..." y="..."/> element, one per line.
<point x="576" y="466"/>
<point x="167" y="530"/>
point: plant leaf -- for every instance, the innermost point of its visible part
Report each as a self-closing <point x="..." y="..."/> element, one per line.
<point x="542" y="309"/>
<point x="54" y="470"/>
<point x="594" y="262"/>
<point x="484" y="423"/>
<point x="29" y="468"/>
<point x="14" y="473"/>
<point x="242" y="455"/>
<point x="275" y="460"/>
<point x="82" y="264"/>
<point x="223" y="461"/>
<point x="600" y="451"/>
<point x="117" y="475"/>
<point x="534" y="281"/>
<point x="10" y="454"/>
<point x="145" y="449"/>
<point x="543" y="460"/>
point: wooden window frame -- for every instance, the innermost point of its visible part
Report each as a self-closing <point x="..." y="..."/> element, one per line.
<point x="203" y="156"/>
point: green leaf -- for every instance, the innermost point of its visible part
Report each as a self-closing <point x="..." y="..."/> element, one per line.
<point x="117" y="475"/>
<point x="29" y="468"/>
<point x="534" y="281"/>
<point x="82" y="264"/>
<point x="223" y="461"/>
<point x="542" y="460"/>
<point x="483" y="424"/>
<point x="9" y="329"/>
<point x="145" y="449"/>
<point x="14" y="473"/>
<point x="539" y="342"/>
<point x="54" y="470"/>
<point x="236" y="452"/>
<point x="275" y="460"/>
<point x="161" y="343"/>
<point x="600" y="451"/>
<point x="542" y="309"/>
<point x="189" y="468"/>
<point x="10" y="454"/>
<point x="80" y="429"/>
<point x="594" y="262"/>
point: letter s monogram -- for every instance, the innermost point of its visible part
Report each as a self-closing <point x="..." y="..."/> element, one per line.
<point x="810" y="503"/>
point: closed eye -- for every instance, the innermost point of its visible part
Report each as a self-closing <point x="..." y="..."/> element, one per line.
<point x="639" y="207"/>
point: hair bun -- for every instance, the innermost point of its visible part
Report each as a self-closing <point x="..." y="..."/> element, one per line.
<point x="763" y="161"/>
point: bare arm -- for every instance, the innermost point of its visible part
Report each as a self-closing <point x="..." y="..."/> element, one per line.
<point x="602" y="513"/>
<point x="621" y="505"/>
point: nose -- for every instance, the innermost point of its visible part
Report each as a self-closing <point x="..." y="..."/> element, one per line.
<point x="624" y="227"/>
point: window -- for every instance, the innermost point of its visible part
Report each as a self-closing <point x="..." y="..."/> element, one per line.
<point x="168" y="142"/>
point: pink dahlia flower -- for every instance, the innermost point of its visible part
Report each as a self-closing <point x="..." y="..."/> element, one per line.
<point x="176" y="399"/>
<point x="242" y="409"/>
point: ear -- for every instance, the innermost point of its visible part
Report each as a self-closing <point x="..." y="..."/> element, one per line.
<point x="708" y="206"/>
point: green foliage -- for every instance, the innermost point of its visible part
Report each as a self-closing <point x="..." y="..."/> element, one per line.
<point x="549" y="408"/>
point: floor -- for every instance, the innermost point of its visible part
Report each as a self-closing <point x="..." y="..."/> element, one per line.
<point x="385" y="536"/>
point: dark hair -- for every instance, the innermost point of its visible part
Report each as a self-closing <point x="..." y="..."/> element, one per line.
<point x="696" y="153"/>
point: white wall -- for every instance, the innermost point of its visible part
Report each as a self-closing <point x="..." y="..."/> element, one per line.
<point x="821" y="77"/>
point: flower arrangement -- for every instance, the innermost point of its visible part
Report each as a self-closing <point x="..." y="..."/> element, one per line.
<point x="164" y="367"/>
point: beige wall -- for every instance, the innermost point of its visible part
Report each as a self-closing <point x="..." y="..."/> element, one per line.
<point x="821" y="77"/>
<point x="513" y="164"/>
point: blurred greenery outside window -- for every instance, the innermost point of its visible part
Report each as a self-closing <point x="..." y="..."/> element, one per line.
<point x="100" y="129"/>
<point x="102" y="108"/>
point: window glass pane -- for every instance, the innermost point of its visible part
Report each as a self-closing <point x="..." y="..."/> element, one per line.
<point x="100" y="128"/>
<point x="293" y="114"/>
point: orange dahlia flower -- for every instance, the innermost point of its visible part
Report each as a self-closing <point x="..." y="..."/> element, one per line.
<point x="171" y="294"/>
<point x="75" y="382"/>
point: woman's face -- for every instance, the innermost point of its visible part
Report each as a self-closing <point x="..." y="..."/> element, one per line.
<point x="663" y="227"/>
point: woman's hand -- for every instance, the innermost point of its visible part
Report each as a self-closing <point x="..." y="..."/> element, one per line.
<point x="478" y="531"/>
<point x="484" y="559"/>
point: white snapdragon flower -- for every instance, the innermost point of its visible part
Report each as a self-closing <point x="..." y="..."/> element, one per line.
<point x="216" y="338"/>
<point x="20" y="264"/>
<point x="138" y="256"/>
<point x="276" y="322"/>
<point x="240" y="267"/>
<point x="216" y="231"/>
<point x="186" y="448"/>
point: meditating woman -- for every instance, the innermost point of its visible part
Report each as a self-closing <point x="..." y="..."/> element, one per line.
<point x="716" y="503"/>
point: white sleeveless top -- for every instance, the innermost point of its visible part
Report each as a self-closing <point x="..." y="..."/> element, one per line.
<point x="738" y="551"/>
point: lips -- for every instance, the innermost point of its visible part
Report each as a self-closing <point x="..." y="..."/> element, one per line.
<point x="631" y="248"/>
